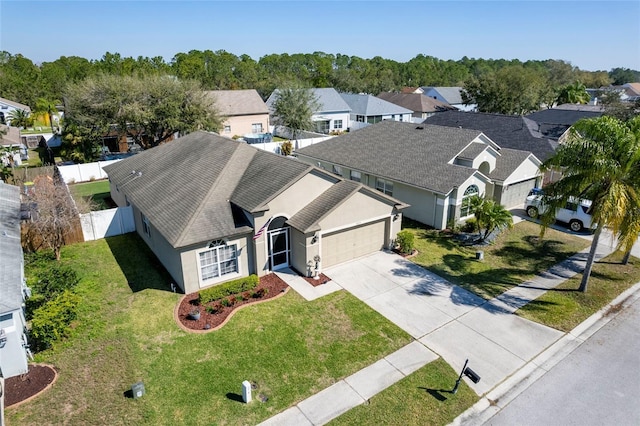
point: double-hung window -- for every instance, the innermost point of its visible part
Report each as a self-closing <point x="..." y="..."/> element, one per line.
<point x="218" y="260"/>
<point x="337" y="170"/>
<point x="356" y="176"/>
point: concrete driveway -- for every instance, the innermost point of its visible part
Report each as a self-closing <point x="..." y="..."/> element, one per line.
<point x="447" y="319"/>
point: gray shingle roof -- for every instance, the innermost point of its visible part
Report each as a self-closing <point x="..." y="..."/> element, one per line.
<point x="369" y="105"/>
<point x="417" y="155"/>
<point x="238" y="102"/>
<point x="416" y="102"/>
<point x="187" y="188"/>
<point x="11" y="296"/>
<point x="472" y="151"/>
<point x="508" y="131"/>
<point x="12" y="136"/>
<point x="554" y="122"/>
<point x="451" y="95"/>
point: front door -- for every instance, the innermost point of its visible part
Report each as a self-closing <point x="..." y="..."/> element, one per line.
<point x="279" y="248"/>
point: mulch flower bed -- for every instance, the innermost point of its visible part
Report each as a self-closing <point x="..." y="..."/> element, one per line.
<point x="270" y="286"/>
<point x="23" y="387"/>
<point x="405" y="255"/>
<point x="322" y="279"/>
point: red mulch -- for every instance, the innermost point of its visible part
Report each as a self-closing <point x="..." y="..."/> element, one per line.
<point x="322" y="279"/>
<point x="19" y="388"/>
<point x="272" y="283"/>
<point x="405" y="255"/>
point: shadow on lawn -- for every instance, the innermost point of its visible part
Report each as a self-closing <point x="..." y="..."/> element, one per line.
<point x="436" y="393"/>
<point x="140" y="266"/>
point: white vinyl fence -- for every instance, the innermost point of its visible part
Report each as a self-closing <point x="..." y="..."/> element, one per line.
<point x="75" y="173"/>
<point x="297" y="144"/>
<point x="107" y="223"/>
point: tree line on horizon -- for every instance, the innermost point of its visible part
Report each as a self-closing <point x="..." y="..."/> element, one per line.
<point x="24" y="81"/>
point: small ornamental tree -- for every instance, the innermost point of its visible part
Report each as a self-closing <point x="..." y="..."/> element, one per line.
<point x="405" y="241"/>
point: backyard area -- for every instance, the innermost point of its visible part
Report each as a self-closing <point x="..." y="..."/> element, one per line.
<point x="97" y="193"/>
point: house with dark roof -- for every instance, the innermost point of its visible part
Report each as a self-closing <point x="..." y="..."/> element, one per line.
<point x="554" y="123"/>
<point x="449" y="95"/>
<point x="421" y="105"/>
<point x="243" y="111"/>
<point x="508" y="131"/>
<point x="368" y="109"/>
<point x="433" y="169"/>
<point x="13" y="290"/>
<point x="214" y="209"/>
<point x="7" y="107"/>
<point x="332" y="114"/>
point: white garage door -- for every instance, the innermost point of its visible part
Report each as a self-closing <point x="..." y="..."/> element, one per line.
<point x="351" y="243"/>
<point x="515" y="194"/>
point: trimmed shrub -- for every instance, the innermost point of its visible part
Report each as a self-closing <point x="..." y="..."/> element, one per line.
<point x="51" y="321"/>
<point x="232" y="287"/>
<point x="55" y="280"/>
<point x="405" y="241"/>
<point x="470" y="225"/>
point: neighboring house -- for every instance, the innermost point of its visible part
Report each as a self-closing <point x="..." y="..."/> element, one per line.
<point x="421" y="105"/>
<point x="449" y="95"/>
<point x="434" y="169"/>
<point x="243" y="111"/>
<point x="13" y="325"/>
<point x="508" y="131"/>
<point x="554" y="123"/>
<point x="368" y="109"/>
<point x="7" y="106"/>
<point x="333" y="112"/>
<point x="632" y="91"/>
<point x="214" y="209"/>
<point x="12" y="148"/>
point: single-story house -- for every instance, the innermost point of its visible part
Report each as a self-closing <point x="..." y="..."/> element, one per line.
<point x="214" y="209"/>
<point x="368" y="109"/>
<point x="421" y="105"/>
<point x="13" y="148"/>
<point x="243" y="111"/>
<point x="434" y="169"/>
<point x="7" y="107"/>
<point x="449" y="95"/>
<point x="332" y="114"/>
<point x="13" y="290"/>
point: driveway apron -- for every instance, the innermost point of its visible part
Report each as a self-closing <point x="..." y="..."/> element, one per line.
<point x="449" y="320"/>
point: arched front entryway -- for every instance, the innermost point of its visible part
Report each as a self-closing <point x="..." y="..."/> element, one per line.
<point x="279" y="245"/>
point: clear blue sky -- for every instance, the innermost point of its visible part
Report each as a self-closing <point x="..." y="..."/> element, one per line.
<point x="593" y="35"/>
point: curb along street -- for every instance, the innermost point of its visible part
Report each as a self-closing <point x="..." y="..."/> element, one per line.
<point x="499" y="397"/>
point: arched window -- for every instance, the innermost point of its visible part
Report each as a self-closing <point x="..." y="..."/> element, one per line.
<point x="465" y="209"/>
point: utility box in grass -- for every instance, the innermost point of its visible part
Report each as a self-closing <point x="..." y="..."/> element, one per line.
<point x="137" y="389"/>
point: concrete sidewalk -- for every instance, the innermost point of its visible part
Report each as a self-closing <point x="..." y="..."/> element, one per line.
<point x="355" y="389"/>
<point x="446" y="320"/>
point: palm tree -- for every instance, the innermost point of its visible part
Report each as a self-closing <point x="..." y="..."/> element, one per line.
<point x="601" y="163"/>
<point x="20" y="118"/>
<point x="491" y="216"/>
<point x="575" y="93"/>
<point x="48" y="107"/>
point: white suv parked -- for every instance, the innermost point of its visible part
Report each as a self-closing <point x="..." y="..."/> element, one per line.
<point x="575" y="213"/>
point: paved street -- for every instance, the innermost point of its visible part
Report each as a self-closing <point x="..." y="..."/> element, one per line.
<point x="597" y="384"/>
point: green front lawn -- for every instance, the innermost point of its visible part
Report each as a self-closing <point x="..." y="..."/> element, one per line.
<point x="422" y="398"/>
<point x="126" y="333"/>
<point x="514" y="257"/>
<point x="96" y="191"/>
<point x="564" y="307"/>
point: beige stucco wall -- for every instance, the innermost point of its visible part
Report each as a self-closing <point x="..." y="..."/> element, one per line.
<point x="489" y="155"/>
<point x="356" y="210"/>
<point x="117" y="196"/>
<point x="286" y="204"/>
<point x="529" y="169"/>
<point x="241" y="124"/>
<point x="167" y="255"/>
<point x="189" y="257"/>
<point x="484" y="187"/>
